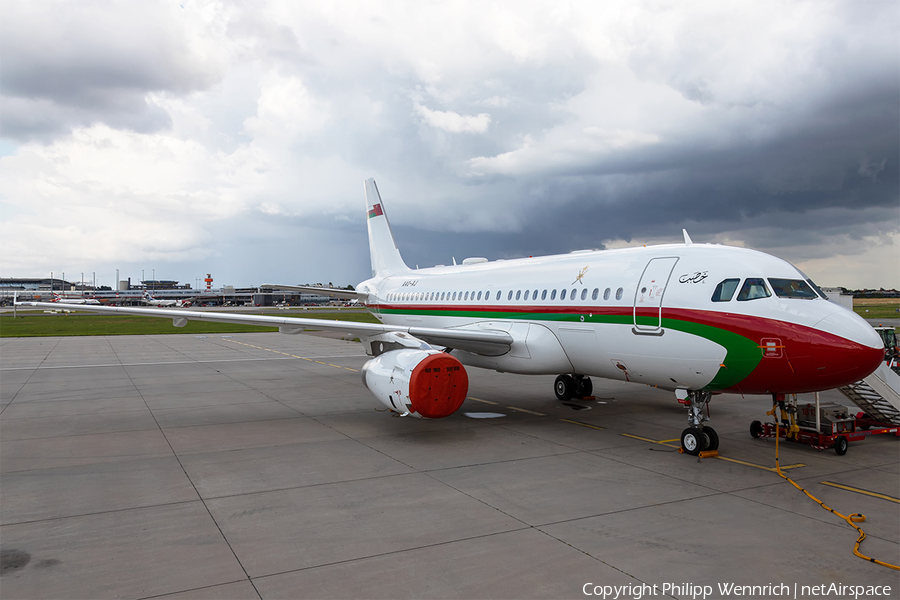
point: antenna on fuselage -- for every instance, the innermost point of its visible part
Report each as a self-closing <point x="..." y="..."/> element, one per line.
<point x="687" y="238"/>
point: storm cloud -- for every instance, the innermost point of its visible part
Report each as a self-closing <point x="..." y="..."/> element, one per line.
<point x="232" y="137"/>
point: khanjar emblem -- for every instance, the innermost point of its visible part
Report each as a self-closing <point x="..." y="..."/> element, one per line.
<point x="580" y="275"/>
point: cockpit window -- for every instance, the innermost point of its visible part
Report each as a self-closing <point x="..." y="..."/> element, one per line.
<point x="792" y="288"/>
<point x="817" y="288"/>
<point x="725" y="290"/>
<point x="753" y="288"/>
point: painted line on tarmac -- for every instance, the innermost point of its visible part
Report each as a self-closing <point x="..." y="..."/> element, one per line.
<point x="140" y="364"/>
<point x="582" y="424"/>
<point x="861" y="491"/>
<point x="480" y="400"/>
<point x="733" y="460"/>
<point x="643" y="439"/>
<point x="750" y="464"/>
<point x="525" y="410"/>
<point x="295" y="356"/>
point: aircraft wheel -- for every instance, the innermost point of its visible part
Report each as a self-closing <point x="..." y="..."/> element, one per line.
<point x="713" y="438"/>
<point x="756" y="429"/>
<point x="840" y="445"/>
<point x="564" y="387"/>
<point x="584" y="387"/>
<point x="692" y="440"/>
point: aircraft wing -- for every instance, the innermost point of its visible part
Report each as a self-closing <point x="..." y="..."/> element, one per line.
<point x="310" y="289"/>
<point x="481" y="341"/>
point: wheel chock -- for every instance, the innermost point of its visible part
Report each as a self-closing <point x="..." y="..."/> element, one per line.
<point x="702" y="454"/>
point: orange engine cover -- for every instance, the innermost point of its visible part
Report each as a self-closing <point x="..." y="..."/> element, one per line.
<point x="418" y="382"/>
<point x="438" y="386"/>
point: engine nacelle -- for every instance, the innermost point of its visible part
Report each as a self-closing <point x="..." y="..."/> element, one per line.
<point x="420" y="383"/>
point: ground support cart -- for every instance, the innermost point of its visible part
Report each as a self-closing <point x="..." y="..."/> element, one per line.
<point x="820" y="425"/>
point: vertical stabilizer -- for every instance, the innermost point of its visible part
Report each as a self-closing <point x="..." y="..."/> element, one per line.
<point x="383" y="250"/>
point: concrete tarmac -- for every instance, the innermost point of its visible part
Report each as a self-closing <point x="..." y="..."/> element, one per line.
<point x="257" y="466"/>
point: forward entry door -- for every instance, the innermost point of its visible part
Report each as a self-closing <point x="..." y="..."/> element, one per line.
<point x="649" y="295"/>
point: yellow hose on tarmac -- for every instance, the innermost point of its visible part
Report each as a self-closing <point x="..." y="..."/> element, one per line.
<point x="852" y="519"/>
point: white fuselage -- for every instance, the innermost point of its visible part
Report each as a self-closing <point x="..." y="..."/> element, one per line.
<point x="637" y="314"/>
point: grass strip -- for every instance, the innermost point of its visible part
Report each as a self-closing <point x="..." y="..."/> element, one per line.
<point x="33" y="324"/>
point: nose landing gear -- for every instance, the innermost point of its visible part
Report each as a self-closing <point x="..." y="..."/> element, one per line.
<point x="697" y="437"/>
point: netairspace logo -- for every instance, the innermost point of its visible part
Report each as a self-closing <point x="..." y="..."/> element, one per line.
<point x="727" y="590"/>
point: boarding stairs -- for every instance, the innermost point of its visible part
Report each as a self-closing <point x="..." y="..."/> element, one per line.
<point x="878" y="395"/>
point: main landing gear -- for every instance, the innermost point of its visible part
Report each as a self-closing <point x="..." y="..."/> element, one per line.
<point x="697" y="438"/>
<point x="571" y="386"/>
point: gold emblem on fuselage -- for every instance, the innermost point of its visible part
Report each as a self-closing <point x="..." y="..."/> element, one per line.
<point x="580" y="275"/>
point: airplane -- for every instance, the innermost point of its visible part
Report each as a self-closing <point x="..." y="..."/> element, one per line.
<point x="694" y="319"/>
<point x="147" y="298"/>
<point x="65" y="300"/>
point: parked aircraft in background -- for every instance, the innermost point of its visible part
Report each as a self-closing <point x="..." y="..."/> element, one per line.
<point x="147" y="298"/>
<point x="79" y="300"/>
<point x="696" y="319"/>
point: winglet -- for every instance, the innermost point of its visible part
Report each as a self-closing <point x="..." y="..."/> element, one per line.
<point x="383" y="250"/>
<point x="687" y="238"/>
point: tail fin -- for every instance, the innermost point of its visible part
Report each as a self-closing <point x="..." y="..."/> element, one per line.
<point x="382" y="247"/>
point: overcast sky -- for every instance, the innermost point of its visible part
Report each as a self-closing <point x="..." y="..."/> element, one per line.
<point x="233" y="138"/>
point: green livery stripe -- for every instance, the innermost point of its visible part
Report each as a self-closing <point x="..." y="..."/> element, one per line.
<point x="742" y="354"/>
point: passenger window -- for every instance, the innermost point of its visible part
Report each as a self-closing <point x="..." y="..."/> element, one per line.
<point x="487" y="295"/>
<point x="595" y="293"/>
<point x="442" y="295"/>
<point x="753" y="288"/>
<point x="584" y="294"/>
<point x="553" y="294"/>
<point x="518" y="294"/>
<point x="792" y="288"/>
<point x="725" y="290"/>
<point x="606" y="294"/>
<point x="467" y="296"/>
<point x="454" y="295"/>
<point x="544" y="295"/>
<point x="526" y="295"/>
<point x="619" y="294"/>
<point x="562" y="295"/>
<point x="509" y="296"/>
<point x="479" y="296"/>
<point x="573" y="295"/>
<point x="498" y="295"/>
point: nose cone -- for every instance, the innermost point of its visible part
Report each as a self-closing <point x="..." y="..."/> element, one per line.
<point x="846" y="350"/>
<point x="851" y="326"/>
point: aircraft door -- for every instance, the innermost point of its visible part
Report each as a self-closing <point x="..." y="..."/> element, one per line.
<point x="648" y="296"/>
